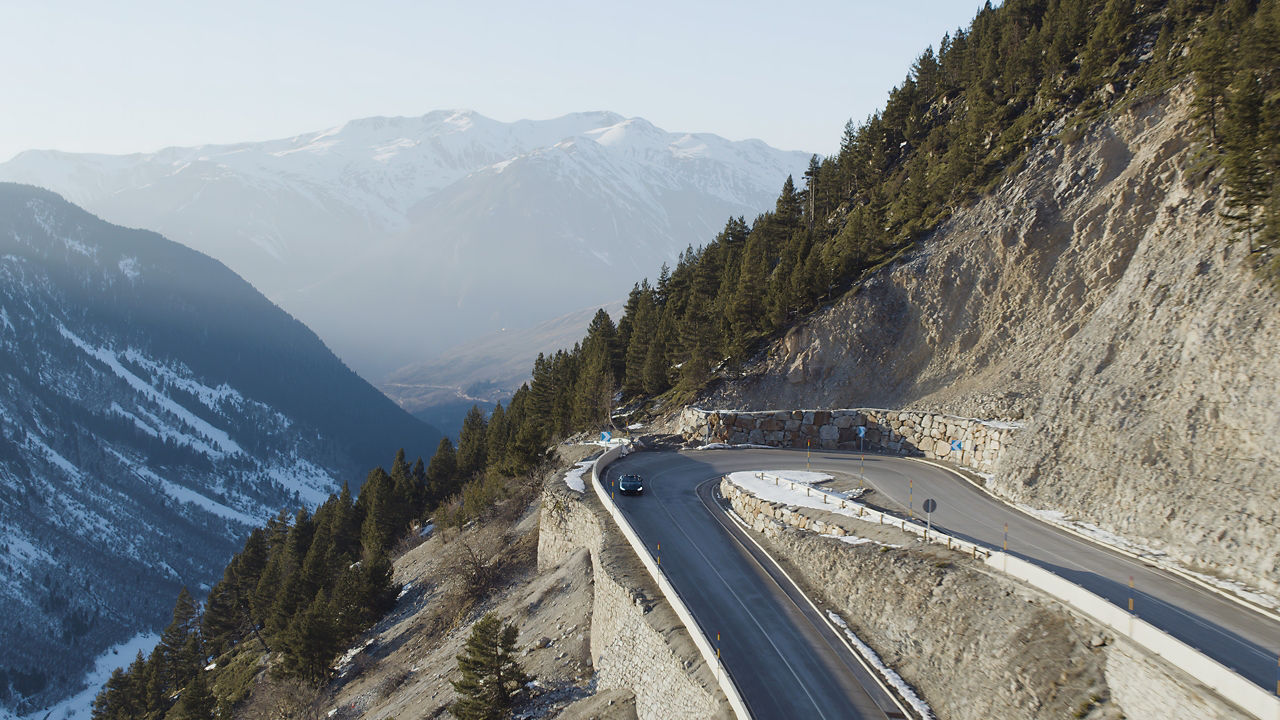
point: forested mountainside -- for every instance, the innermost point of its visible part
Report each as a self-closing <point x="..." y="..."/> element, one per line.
<point x="385" y="216"/>
<point x="153" y="409"/>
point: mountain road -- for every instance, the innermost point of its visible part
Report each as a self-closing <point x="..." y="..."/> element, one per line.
<point x="789" y="662"/>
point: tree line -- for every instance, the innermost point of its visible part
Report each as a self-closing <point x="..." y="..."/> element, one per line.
<point x="1236" y="61"/>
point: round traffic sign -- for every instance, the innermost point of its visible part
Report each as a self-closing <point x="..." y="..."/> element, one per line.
<point x="930" y="505"/>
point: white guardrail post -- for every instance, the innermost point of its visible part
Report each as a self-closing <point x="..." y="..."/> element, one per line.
<point x="1231" y="685"/>
<point x="727" y="684"/>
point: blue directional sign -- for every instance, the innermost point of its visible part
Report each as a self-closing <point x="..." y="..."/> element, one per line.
<point x="957" y="445"/>
<point x="606" y="436"/>
<point x="862" y="431"/>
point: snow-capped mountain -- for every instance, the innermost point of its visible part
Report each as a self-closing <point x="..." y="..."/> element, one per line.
<point x="444" y="227"/>
<point x="153" y="409"/>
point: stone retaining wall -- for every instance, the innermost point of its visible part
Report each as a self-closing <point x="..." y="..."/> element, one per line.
<point x="930" y="435"/>
<point x="974" y="644"/>
<point x="637" y="642"/>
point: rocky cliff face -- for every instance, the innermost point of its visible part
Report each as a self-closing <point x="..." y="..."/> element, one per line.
<point x="1098" y="296"/>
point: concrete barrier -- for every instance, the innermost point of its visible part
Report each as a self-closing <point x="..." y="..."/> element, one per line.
<point x="1226" y="682"/>
<point x="727" y="684"/>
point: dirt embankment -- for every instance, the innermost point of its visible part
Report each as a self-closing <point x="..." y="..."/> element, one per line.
<point x="404" y="666"/>
<point x="1099" y="296"/>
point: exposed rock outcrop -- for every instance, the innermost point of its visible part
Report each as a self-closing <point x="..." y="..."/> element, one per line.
<point x="1098" y="295"/>
<point x="975" y="444"/>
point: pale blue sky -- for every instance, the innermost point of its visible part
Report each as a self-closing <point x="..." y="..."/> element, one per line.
<point x="132" y="76"/>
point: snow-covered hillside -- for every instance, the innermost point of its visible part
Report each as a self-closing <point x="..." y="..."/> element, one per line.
<point x="443" y="227"/>
<point x="153" y="409"/>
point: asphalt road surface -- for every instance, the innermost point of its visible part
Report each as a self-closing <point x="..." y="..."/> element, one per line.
<point x="783" y="664"/>
<point x="785" y="659"/>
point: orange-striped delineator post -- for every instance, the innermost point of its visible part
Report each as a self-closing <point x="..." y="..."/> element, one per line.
<point x="1130" y="606"/>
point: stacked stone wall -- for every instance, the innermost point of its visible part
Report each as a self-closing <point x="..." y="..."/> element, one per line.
<point x="637" y="642"/>
<point x="972" y="443"/>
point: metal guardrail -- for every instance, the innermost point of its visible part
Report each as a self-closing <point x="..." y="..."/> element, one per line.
<point x="727" y="684"/>
<point x="1223" y="680"/>
<point x="870" y="514"/>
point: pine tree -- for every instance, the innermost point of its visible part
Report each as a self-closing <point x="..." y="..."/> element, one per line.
<point x="790" y="206"/>
<point x="344" y="527"/>
<point x="471" y="443"/>
<point x="656" y="363"/>
<point x="264" y="594"/>
<point x="180" y="650"/>
<point x="155" y="691"/>
<point x="747" y="310"/>
<point x="321" y="560"/>
<point x="378" y="529"/>
<point x="497" y="438"/>
<point x="405" y="496"/>
<point x="310" y="642"/>
<point x="643" y="325"/>
<point x="121" y="698"/>
<point x="491" y="676"/>
<point x="223" y="624"/>
<point x="442" y="472"/>
<point x="1248" y="178"/>
<point x="1211" y="61"/>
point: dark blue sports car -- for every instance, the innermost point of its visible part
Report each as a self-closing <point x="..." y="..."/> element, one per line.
<point x="631" y="485"/>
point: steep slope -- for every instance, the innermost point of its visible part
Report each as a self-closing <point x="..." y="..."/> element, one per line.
<point x="1098" y="295"/>
<point x="390" y="216"/>
<point x="153" y="408"/>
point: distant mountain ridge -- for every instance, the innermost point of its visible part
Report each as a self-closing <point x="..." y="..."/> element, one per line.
<point x="502" y="224"/>
<point x="153" y="408"/>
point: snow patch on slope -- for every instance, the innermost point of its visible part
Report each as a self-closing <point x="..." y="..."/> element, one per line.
<point x="218" y="437"/>
<point x="187" y="495"/>
<point x="80" y="705"/>
<point x="52" y="456"/>
<point x="573" y="478"/>
<point x="129" y="267"/>
<point x="907" y="692"/>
